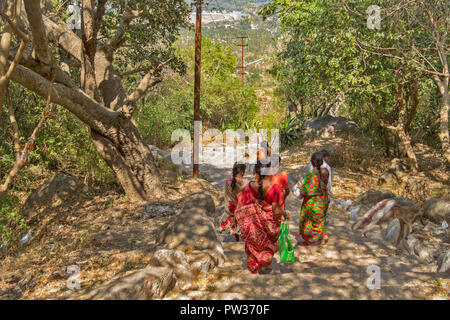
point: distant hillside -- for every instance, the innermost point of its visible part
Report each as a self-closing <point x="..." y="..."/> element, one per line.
<point x="231" y="5"/>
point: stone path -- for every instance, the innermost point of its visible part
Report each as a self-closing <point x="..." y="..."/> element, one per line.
<point x="337" y="271"/>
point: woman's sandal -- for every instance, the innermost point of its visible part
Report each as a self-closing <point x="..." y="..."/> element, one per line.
<point x="265" y="269"/>
<point x="303" y="244"/>
<point x="324" y="241"/>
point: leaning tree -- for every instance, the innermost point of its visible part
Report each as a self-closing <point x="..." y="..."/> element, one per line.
<point x="87" y="69"/>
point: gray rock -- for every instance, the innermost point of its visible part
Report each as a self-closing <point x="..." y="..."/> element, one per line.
<point x="357" y="211"/>
<point x="392" y="231"/>
<point x="328" y="127"/>
<point x="342" y="204"/>
<point x="158" y="210"/>
<point x="149" y="283"/>
<point x="417" y="248"/>
<point x="353" y="216"/>
<point x="423" y="252"/>
<point x="409" y="244"/>
<point x="437" y="210"/>
<point x="26" y="238"/>
<point x="444" y="225"/>
<point x="193" y="228"/>
<point x="444" y="262"/>
<point x="377" y="216"/>
<point x="59" y="187"/>
<point x="404" y="202"/>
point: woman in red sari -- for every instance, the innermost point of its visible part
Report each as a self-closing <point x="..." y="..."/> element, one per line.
<point x="258" y="215"/>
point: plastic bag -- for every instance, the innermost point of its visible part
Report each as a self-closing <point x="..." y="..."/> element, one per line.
<point x="296" y="190"/>
<point x="285" y="244"/>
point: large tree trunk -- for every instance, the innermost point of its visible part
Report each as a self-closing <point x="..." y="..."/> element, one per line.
<point x="397" y="137"/>
<point x="129" y="158"/>
<point x="114" y="136"/>
<point x="113" y="131"/>
<point x="131" y="161"/>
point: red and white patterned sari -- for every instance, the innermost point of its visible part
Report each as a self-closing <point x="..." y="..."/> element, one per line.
<point x="258" y="227"/>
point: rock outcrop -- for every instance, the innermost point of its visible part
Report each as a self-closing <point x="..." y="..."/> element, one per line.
<point x="329" y="127"/>
<point x="437" y="210"/>
<point x="149" y="283"/>
<point x="372" y="197"/>
<point x="187" y="246"/>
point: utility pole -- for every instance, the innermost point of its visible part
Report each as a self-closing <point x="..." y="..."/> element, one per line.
<point x="198" y="62"/>
<point x="242" y="45"/>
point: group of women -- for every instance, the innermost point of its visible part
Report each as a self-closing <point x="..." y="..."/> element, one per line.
<point x="254" y="209"/>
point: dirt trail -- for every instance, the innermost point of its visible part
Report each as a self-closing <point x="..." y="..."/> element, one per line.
<point x="68" y="233"/>
<point x="337" y="271"/>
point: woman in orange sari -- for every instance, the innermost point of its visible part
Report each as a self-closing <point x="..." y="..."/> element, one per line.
<point x="258" y="215"/>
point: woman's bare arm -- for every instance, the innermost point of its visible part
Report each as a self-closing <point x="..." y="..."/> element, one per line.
<point x="278" y="211"/>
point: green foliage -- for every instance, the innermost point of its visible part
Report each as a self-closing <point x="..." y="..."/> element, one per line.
<point x="63" y="144"/>
<point x="225" y="102"/>
<point x="329" y="53"/>
<point x="290" y="130"/>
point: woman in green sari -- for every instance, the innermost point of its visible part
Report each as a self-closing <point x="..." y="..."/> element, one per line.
<point x="315" y="203"/>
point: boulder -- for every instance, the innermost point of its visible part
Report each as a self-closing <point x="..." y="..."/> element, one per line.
<point x="381" y="213"/>
<point x="146" y="284"/>
<point x="187" y="245"/>
<point x="193" y="228"/>
<point x="405" y="202"/>
<point x="409" y="243"/>
<point x="396" y="172"/>
<point x="417" y="248"/>
<point x="54" y="191"/>
<point x="341" y="204"/>
<point x="356" y="211"/>
<point x="392" y="232"/>
<point x="437" y="210"/>
<point x="175" y="260"/>
<point x="423" y="252"/>
<point x="372" y="197"/>
<point x="158" y="210"/>
<point x="328" y="127"/>
<point x="444" y="262"/>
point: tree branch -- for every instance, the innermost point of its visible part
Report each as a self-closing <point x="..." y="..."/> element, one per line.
<point x="22" y="156"/>
<point x="33" y="10"/>
<point x="75" y="100"/>
<point x="5" y="78"/>
<point x="15" y="28"/>
<point x="417" y="63"/>
<point x="147" y="82"/>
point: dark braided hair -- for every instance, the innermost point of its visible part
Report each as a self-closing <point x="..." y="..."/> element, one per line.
<point x="258" y="170"/>
<point x="237" y="168"/>
<point x="317" y="160"/>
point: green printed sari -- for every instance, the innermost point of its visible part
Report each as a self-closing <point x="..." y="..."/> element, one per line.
<point x="314" y="207"/>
